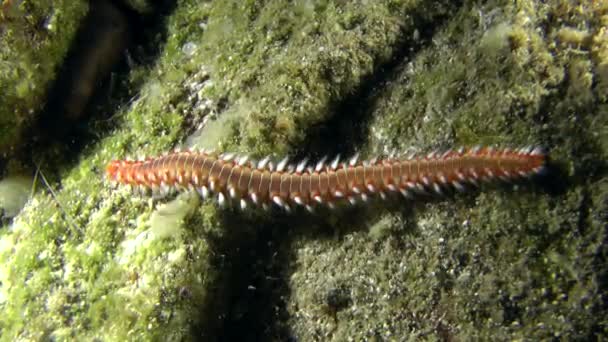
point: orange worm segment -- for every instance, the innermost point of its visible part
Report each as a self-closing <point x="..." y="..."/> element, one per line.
<point x="262" y="183"/>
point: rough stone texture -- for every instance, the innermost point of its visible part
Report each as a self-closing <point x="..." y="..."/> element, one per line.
<point x="35" y="37"/>
<point x="310" y="78"/>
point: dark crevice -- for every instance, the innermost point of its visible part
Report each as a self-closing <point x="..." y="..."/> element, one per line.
<point x="249" y="295"/>
<point x="93" y="81"/>
<point x="256" y="257"/>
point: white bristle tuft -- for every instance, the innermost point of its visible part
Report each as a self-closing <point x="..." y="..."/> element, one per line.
<point x="278" y="201"/>
<point x="298" y="200"/>
<point x="203" y="191"/>
<point x="262" y="163"/>
<point x="227" y="156"/>
<point x="335" y="162"/>
<point x="301" y="165"/>
<point x="353" y="160"/>
<point x="437" y="189"/>
<point x="405" y="193"/>
<point x="458" y="186"/>
<point x="420" y="189"/>
<point x="221" y="199"/>
<point x="537" y="151"/>
<point x="164" y="189"/>
<point x="243" y="204"/>
<point x="282" y="164"/>
<point x="242" y="160"/>
<point x="320" y="164"/>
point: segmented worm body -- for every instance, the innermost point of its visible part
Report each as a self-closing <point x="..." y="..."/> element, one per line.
<point x="263" y="183"/>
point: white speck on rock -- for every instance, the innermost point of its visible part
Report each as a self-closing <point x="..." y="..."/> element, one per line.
<point x="189" y="48"/>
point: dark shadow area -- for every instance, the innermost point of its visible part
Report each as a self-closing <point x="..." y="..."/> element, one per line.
<point x="553" y="180"/>
<point x="91" y="84"/>
<point x="249" y="297"/>
<point x="253" y="289"/>
<point x="93" y="81"/>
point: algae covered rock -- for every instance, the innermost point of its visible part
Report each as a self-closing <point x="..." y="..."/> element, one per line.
<point x="310" y="78"/>
<point x="35" y="38"/>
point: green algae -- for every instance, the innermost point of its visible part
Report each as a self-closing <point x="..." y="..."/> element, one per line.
<point x="294" y="87"/>
<point x="91" y="262"/>
<point x="81" y="268"/>
<point x="14" y="193"/>
<point x="510" y="264"/>
<point x="35" y="36"/>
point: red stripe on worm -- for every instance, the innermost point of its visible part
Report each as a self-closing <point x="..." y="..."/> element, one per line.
<point x="263" y="184"/>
